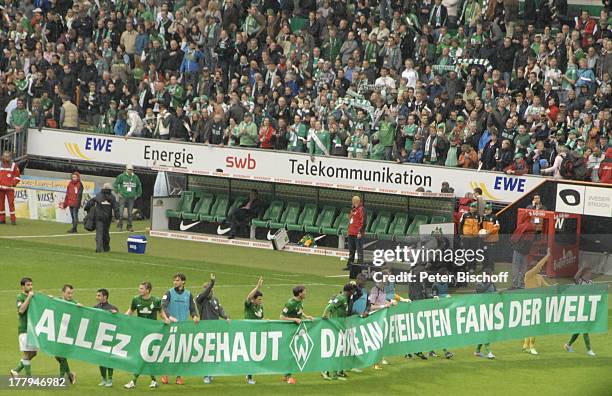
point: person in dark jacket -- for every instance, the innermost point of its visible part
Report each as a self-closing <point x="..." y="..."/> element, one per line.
<point x="103" y="304"/>
<point x="209" y="308"/>
<point x="72" y="201"/>
<point x="506" y="156"/>
<point x="88" y="73"/>
<point x="505" y="58"/>
<point x="180" y="129"/>
<point x="208" y="305"/>
<point x="213" y="132"/>
<point x="490" y="153"/>
<point x="173" y="58"/>
<point x="522" y="241"/>
<point x="249" y="210"/>
<point x="105" y="206"/>
<point x="417" y="291"/>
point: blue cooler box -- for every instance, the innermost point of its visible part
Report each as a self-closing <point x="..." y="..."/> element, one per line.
<point x="137" y="244"/>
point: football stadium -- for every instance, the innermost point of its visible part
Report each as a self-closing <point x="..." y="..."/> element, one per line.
<point x="349" y="197"/>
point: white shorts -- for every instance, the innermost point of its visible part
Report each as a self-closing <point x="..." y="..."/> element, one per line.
<point x="23" y="344"/>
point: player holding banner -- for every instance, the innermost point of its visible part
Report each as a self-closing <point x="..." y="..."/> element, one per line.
<point x="337" y="307"/>
<point x="178" y="306"/>
<point x="28" y="351"/>
<point x="146" y="306"/>
<point x="64" y="368"/>
<point x="294" y="312"/>
<point x="102" y="303"/>
<point x="253" y="310"/>
<point x="534" y="280"/>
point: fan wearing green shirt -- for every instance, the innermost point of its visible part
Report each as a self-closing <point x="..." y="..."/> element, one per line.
<point x="318" y="140"/>
<point x="409" y="131"/>
<point x="28" y="351"/>
<point x="294" y="311"/>
<point x="337" y="307"/>
<point x="20" y="116"/>
<point x="253" y="310"/>
<point x="67" y="295"/>
<point x="145" y="306"/>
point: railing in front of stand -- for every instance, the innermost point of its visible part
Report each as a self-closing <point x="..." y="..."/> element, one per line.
<point x="15" y="142"/>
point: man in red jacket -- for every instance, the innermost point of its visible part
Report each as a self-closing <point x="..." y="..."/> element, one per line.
<point x="356" y="230"/>
<point x="605" y="168"/>
<point x="9" y="178"/>
<point x="586" y="25"/>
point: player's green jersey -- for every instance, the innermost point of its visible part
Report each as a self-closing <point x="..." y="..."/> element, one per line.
<point x="23" y="317"/>
<point x="337" y="307"/>
<point x="146" y="308"/>
<point x="293" y="309"/>
<point x="252" y="311"/>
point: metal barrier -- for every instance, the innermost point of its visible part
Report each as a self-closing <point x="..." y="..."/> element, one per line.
<point x="15" y="142"/>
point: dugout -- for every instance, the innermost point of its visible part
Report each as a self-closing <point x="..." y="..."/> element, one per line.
<point x="200" y="204"/>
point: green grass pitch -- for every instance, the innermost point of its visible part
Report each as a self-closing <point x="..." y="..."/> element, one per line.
<point x="43" y="252"/>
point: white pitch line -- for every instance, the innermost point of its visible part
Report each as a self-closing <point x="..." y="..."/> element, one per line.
<point x="175" y="267"/>
<point x="113" y="232"/>
<point x="63" y="235"/>
<point x="336" y="276"/>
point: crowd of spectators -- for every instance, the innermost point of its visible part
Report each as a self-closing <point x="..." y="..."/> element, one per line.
<point x="474" y="85"/>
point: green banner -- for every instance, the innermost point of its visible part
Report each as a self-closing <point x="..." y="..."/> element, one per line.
<point x="271" y="346"/>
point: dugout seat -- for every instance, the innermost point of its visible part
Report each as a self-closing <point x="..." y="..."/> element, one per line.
<point x="273" y="213"/>
<point x="218" y="210"/>
<point x="340" y="224"/>
<point x="397" y="228"/>
<point x="184" y="205"/>
<point x="440" y="219"/>
<point x="290" y="215"/>
<point x="413" y="229"/>
<point x="380" y="225"/>
<point x="238" y="202"/>
<point x="307" y="218"/>
<point x="325" y="219"/>
<point x="201" y="207"/>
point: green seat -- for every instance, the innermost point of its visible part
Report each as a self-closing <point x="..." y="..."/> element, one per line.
<point x="371" y="223"/>
<point x="238" y="202"/>
<point x="307" y="218"/>
<point x="441" y="219"/>
<point x="413" y="229"/>
<point x="184" y="206"/>
<point x="273" y="213"/>
<point x="199" y="193"/>
<point x="380" y="225"/>
<point x="325" y="219"/>
<point x="397" y="227"/>
<point x="339" y="225"/>
<point x="202" y="207"/>
<point x="218" y="210"/>
<point x="290" y="215"/>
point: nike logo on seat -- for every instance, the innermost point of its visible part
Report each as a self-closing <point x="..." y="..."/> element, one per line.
<point x="184" y="227"/>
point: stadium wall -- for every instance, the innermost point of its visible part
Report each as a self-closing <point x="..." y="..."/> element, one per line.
<point x="277" y="167"/>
